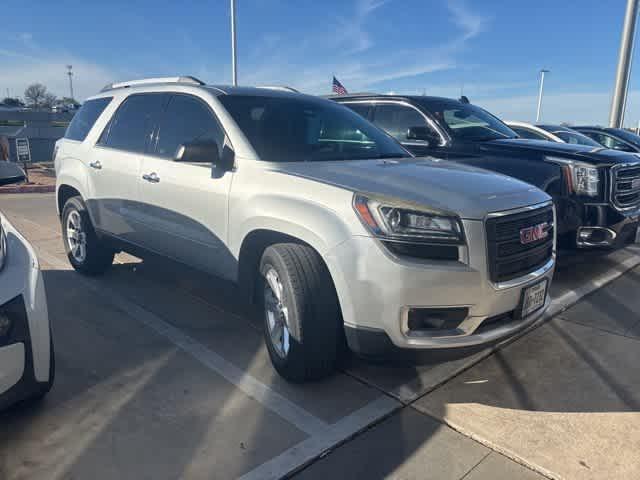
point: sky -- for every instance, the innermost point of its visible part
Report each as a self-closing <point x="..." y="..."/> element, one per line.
<point x="491" y="50"/>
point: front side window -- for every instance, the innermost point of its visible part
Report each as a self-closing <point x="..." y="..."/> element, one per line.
<point x="84" y="119"/>
<point x="467" y="122"/>
<point x="576" y="138"/>
<point x="305" y="129"/>
<point x="186" y="119"/>
<point x="361" y="109"/>
<point x="396" y="120"/>
<point x="611" y="142"/>
<point x="528" y="134"/>
<point x="131" y="127"/>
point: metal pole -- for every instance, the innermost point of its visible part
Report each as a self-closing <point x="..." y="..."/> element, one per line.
<point x="623" y="72"/>
<point x="70" y="73"/>
<point x="542" y="72"/>
<point x="234" y="56"/>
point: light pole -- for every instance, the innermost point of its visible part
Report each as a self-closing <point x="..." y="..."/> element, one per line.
<point x="625" y="56"/>
<point x="542" y="72"/>
<point x="234" y="56"/>
<point x="70" y="73"/>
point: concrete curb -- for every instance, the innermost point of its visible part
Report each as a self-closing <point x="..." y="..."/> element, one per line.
<point x="28" y="189"/>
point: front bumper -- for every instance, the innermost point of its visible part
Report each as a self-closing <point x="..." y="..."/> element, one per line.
<point x="375" y="288"/>
<point x="605" y="227"/>
<point x="25" y="357"/>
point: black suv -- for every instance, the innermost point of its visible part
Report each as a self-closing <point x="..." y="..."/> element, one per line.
<point x="616" y="138"/>
<point x="596" y="190"/>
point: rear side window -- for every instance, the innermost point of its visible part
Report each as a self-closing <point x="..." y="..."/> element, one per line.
<point x="132" y="126"/>
<point x="186" y="119"/>
<point x="84" y="119"/>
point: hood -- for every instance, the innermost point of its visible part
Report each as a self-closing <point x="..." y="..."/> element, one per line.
<point x="596" y="156"/>
<point x="466" y="191"/>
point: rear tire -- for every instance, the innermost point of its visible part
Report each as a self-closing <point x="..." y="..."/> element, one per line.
<point x="86" y="253"/>
<point x="302" y="319"/>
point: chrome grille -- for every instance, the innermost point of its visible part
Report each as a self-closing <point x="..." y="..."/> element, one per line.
<point x="625" y="184"/>
<point x="509" y="258"/>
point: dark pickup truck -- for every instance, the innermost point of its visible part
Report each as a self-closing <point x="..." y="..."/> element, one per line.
<point x="596" y="190"/>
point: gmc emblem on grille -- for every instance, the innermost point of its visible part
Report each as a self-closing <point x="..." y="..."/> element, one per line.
<point x="535" y="233"/>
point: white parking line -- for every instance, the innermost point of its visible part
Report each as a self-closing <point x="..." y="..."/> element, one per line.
<point x="270" y="399"/>
<point x="304" y="452"/>
<point x="322" y="436"/>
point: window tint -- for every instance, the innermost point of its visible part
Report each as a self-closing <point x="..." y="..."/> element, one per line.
<point x="360" y="108"/>
<point x="186" y="119"/>
<point x="465" y="121"/>
<point x="611" y="142"/>
<point x="529" y="134"/>
<point x="576" y="138"/>
<point x="132" y="126"/>
<point x="396" y="120"/>
<point x="307" y="129"/>
<point x="84" y="119"/>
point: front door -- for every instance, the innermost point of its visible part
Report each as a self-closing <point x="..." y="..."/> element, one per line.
<point x="396" y="119"/>
<point x="185" y="207"/>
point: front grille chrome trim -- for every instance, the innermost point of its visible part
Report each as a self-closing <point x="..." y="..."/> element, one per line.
<point x="530" y="276"/>
<point x="614" y="189"/>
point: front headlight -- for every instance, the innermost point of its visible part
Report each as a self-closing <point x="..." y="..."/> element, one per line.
<point x="3" y="247"/>
<point x="396" y="221"/>
<point x="582" y="179"/>
<point x="585" y="180"/>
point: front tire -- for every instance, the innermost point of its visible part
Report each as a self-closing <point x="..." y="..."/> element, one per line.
<point x="85" y="251"/>
<point x="302" y="320"/>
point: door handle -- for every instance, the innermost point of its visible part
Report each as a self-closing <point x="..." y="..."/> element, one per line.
<point x="96" y="164"/>
<point x="151" y="177"/>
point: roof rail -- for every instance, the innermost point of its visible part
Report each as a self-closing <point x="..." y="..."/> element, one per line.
<point x="283" y="88"/>
<point x="189" y="80"/>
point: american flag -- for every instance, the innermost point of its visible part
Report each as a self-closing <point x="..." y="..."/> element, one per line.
<point x="338" y="87"/>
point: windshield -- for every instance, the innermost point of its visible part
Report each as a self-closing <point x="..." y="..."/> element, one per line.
<point x="468" y="122"/>
<point x="299" y="129"/>
<point x="575" y="138"/>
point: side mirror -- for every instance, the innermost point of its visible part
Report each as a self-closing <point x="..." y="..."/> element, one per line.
<point x="10" y="173"/>
<point x="422" y="133"/>
<point x="206" y="151"/>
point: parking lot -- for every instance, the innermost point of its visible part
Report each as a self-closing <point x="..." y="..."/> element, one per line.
<point x="162" y="373"/>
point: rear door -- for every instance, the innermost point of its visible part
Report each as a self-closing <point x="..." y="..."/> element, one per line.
<point x="185" y="207"/>
<point x="115" y="165"/>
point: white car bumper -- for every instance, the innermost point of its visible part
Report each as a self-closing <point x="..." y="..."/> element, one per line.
<point x="377" y="290"/>
<point x="25" y="356"/>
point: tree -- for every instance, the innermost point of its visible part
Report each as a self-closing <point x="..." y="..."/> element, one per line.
<point x="49" y="100"/>
<point x="36" y="96"/>
<point x="12" y="102"/>
<point x="69" y="102"/>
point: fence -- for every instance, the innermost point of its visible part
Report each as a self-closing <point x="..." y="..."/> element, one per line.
<point x="41" y="128"/>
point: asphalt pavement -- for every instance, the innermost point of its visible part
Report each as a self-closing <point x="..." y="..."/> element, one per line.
<point x="162" y="374"/>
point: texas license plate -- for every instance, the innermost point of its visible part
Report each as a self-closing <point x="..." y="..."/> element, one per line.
<point x="533" y="298"/>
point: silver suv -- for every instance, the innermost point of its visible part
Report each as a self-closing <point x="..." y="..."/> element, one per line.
<point x="338" y="234"/>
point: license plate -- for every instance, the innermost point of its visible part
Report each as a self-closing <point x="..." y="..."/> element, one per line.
<point x="533" y="298"/>
<point x="638" y="235"/>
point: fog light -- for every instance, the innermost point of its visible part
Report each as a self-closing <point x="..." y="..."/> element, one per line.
<point x="430" y="319"/>
<point x="5" y="325"/>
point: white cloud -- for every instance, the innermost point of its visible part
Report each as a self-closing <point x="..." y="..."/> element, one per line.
<point x="19" y="71"/>
<point x="471" y="23"/>
<point x="574" y="108"/>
